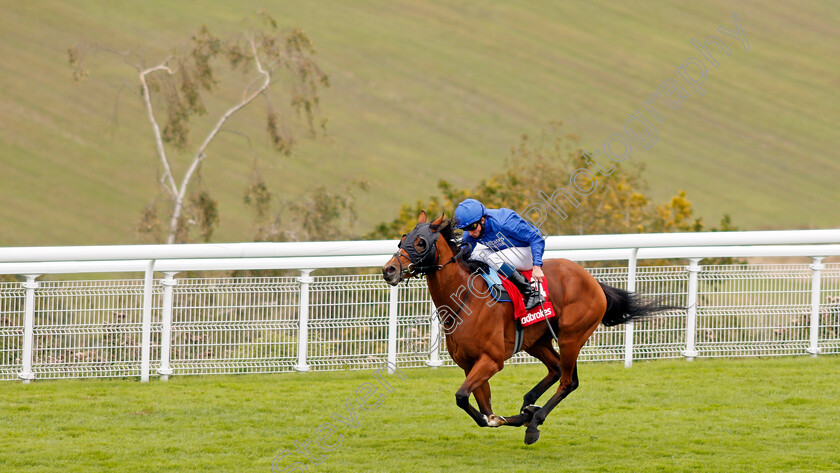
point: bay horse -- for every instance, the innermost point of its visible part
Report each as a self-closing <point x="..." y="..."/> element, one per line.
<point x="480" y="335"/>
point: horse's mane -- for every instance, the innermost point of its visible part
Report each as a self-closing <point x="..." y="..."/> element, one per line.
<point x="447" y="231"/>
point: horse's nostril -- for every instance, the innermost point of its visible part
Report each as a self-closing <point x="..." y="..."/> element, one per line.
<point x="389" y="270"/>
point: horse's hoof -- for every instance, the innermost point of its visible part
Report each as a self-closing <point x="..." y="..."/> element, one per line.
<point x="530" y="409"/>
<point x="531" y="436"/>
<point x="495" y="421"/>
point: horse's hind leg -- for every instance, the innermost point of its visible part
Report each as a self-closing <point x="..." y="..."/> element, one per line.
<point x="568" y="383"/>
<point x="545" y="352"/>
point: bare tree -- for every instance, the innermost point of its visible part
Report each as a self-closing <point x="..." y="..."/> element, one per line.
<point x="179" y="82"/>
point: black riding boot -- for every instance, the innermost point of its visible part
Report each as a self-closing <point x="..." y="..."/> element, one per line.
<point x="530" y="296"/>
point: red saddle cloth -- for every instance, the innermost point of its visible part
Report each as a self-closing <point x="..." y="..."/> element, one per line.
<point x="538" y="313"/>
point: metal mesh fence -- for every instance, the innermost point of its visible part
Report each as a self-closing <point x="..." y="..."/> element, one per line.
<point x="829" y="329"/>
<point x="252" y="324"/>
<point x="11" y="329"/>
<point x="348" y="322"/>
<point x="753" y="310"/>
<point x="414" y="324"/>
<point x="663" y="336"/>
<point x="234" y="325"/>
<point x="88" y="329"/>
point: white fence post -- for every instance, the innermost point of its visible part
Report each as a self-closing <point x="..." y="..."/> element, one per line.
<point x="146" y="340"/>
<point x="28" y="327"/>
<point x="691" y="314"/>
<point x="816" y="283"/>
<point x="169" y="283"/>
<point x="303" y="319"/>
<point x="434" y="340"/>
<point x="628" y="328"/>
<point x="392" y="328"/>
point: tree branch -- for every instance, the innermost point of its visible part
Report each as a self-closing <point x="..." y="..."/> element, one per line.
<point x="167" y="180"/>
<point x="248" y="99"/>
<point x="201" y="154"/>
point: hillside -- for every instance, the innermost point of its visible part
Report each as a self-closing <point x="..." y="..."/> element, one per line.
<point x="423" y="90"/>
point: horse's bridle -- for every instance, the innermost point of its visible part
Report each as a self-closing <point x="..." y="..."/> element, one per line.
<point x="424" y="262"/>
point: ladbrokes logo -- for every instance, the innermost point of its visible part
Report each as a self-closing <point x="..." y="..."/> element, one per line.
<point x="537" y="316"/>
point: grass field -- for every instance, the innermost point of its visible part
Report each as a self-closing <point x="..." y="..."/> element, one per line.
<point x="756" y="415"/>
<point x="424" y="90"/>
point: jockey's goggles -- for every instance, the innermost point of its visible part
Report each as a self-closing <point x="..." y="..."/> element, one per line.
<point x="472" y="226"/>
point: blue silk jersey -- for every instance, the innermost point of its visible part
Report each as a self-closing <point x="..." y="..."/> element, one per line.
<point x="504" y="228"/>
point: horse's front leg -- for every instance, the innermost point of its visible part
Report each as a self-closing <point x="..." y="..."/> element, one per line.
<point x="544" y="352"/>
<point x="482" y="398"/>
<point x="476" y="384"/>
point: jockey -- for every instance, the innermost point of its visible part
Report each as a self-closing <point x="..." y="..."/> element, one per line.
<point x="505" y="241"/>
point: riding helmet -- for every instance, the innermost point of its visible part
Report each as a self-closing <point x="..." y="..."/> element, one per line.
<point x="469" y="211"/>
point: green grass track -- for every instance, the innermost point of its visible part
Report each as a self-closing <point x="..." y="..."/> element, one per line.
<point x="775" y="414"/>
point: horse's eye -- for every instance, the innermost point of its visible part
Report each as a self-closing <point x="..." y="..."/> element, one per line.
<point x="421" y="243"/>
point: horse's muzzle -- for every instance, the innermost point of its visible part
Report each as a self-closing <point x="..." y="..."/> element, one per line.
<point x="391" y="274"/>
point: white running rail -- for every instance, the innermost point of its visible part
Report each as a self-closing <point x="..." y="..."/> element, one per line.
<point x="163" y="321"/>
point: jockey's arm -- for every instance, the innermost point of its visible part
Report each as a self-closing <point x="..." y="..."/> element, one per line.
<point x="466" y="240"/>
<point x="526" y="231"/>
<point x="516" y="226"/>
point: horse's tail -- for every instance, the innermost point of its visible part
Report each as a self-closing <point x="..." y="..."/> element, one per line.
<point x="624" y="306"/>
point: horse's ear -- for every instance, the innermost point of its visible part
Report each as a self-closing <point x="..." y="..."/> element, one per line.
<point x="438" y="221"/>
<point x="422" y="217"/>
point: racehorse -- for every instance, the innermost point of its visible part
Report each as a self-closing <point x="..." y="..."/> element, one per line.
<point x="480" y="335"/>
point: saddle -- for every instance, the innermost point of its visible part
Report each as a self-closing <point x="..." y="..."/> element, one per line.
<point x="494" y="282"/>
<point x="502" y="289"/>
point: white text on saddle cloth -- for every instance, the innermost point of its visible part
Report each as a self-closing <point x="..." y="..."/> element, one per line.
<point x="538" y="313"/>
